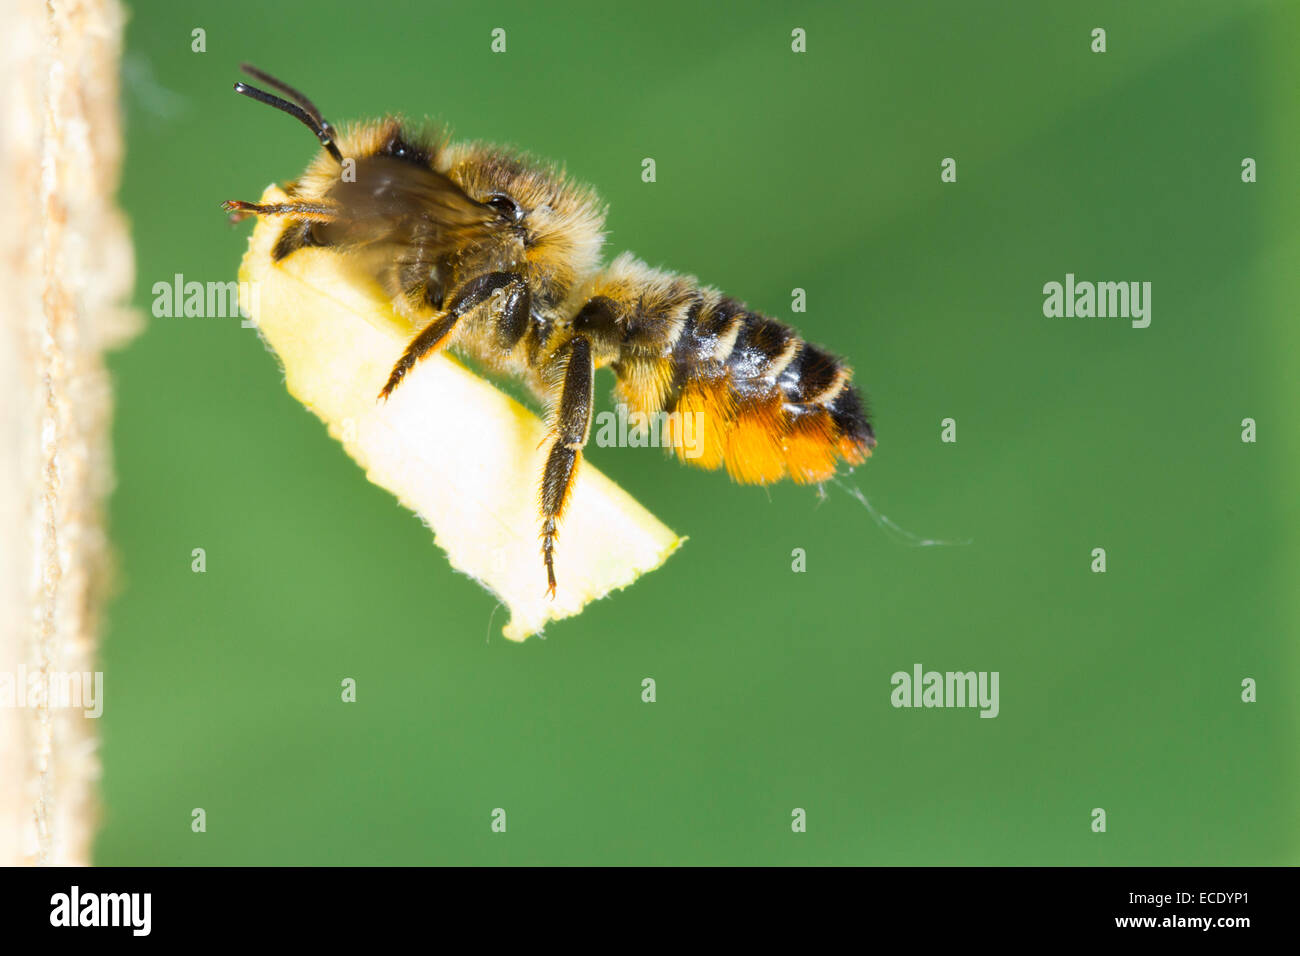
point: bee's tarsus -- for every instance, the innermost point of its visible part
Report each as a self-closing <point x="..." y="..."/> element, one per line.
<point x="238" y="209"/>
<point x="548" y="557"/>
<point x="387" y="390"/>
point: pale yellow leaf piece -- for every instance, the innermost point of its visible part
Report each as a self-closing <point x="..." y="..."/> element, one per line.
<point x="458" y="452"/>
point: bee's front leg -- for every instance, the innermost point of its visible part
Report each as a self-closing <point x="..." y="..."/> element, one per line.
<point x="570" y="427"/>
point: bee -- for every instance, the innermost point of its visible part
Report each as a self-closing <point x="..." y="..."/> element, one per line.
<point x="498" y="257"/>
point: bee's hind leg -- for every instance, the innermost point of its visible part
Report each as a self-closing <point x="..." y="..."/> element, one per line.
<point x="570" y="427"/>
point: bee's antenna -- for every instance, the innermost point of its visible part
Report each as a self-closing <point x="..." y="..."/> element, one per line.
<point x="308" y="106"/>
<point x="307" y="114"/>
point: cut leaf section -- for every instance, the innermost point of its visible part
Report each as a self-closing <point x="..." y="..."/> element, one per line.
<point x="454" y="449"/>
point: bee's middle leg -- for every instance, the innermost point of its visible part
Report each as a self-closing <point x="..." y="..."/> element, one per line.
<point x="570" y="427"/>
<point x="470" y="295"/>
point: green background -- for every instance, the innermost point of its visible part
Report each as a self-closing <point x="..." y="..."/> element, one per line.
<point x="775" y="170"/>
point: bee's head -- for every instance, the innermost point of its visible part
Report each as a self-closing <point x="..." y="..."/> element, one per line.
<point x="559" y="222"/>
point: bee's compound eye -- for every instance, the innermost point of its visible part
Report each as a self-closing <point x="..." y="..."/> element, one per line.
<point x="506" y="206"/>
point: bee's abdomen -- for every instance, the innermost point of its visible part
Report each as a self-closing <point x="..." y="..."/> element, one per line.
<point x="764" y="403"/>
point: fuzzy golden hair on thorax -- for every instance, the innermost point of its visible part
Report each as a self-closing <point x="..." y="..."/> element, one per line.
<point x="562" y="220"/>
